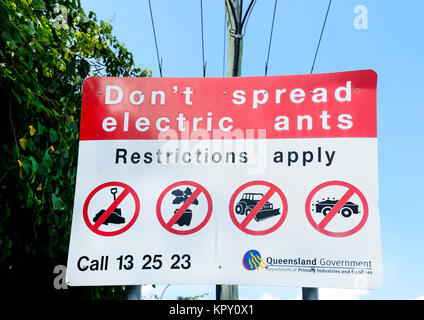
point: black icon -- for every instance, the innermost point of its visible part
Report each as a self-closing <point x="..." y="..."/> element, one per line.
<point x="249" y="200"/>
<point x="181" y="197"/>
<point x="115" y="217"/>
<point x="346" y="211"/>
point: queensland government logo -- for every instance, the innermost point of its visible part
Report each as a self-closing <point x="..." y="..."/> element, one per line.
<point x="252" y="260"/>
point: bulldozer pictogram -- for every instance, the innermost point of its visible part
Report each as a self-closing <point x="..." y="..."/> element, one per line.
<point x="249" y="200"/>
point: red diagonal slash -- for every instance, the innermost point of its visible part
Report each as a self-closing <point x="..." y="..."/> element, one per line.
<point x="258" y="207"/>
<point x="184" y="207"/>
<point x="324" y="222"/>
<point x="112" y="207"/>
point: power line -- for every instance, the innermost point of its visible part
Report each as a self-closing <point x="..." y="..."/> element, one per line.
<point x="248" y="13"/>
<point x="239" y="29"/>
<point x="322" y="31"/>
<point x="233" y="14"/>
<point x="156" y="42"/>
<point x="270" y="38"/>
<point x="225" y="40"/>
<point x="203" y="45"/>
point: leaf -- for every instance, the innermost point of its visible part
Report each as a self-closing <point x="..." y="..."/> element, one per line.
<point x="27" y="166"/>
<point x="195" y="202"/>
<point x="53" y="135"/>
<point x="187" y="191"/>
<point x="34" y="164"/>
<point x="178" y="200"/>
<point x="30" y="199"/>
<point x="30" y="145"/>
<point x="12" y="45"/>
<point x="31" y="29"/>
<point x="41" y="128"/>
<point x="6" y="36"/>
<point x="177" y="193"/>
<point x="46" y="165"/>
<point x="23" y="143"/>
<point x="39" y="4"/>
<point x="57" y="202"/>
<point x="32" y="131"/>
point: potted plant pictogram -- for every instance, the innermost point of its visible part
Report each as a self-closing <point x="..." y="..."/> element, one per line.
<point x="181" y="197"/>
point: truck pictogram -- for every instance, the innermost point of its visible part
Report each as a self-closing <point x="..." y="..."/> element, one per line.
<point x="346" y="211"/>
<point x="249" y="200"/>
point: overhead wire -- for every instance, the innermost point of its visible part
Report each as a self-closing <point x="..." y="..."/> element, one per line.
<point x="270" y="37"/>
<point x="235" y="28"/>
<point x="203" y="44"/>
<point x="247" y="16"/>
<point x="238" y="30"/>
<point x="224" y="46"/>
<point x="241" y="21"/>
<point x="320" y="37"/>
<point x="156" y="42"/>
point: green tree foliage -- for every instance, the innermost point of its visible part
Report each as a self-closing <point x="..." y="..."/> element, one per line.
<point x="47" y="48"/>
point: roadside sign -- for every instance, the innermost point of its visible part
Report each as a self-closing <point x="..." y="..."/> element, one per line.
<point x="245" y="180"/>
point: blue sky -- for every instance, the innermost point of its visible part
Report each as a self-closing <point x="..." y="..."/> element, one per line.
<point x="391" y="45"/>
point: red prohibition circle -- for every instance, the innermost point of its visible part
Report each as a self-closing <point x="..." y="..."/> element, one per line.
<point x="128" y="191"/>
<point x="167" y="225"/>
<point x="351" y="189"/>
<point x="243" y="227"/>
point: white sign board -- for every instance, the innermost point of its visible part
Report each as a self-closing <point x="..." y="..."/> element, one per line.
<point x="259" y="180"/>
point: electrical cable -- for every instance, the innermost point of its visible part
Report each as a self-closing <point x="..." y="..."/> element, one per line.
<point x="270" y="38"/>
<point x="248" y="12"/>
<point x="156" y="42"/>
<point x="203" y="45"/>
<point x="233" y="14"/>
<point x="241" y="21"/>
<point x="322" y="31"/>
<point x="223" y="54"/>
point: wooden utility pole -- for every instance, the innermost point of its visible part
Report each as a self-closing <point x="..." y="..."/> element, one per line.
<point x="234" y="14"/>
<point x="310" y="293"/>
<point x="235" y="21"/>
<point x="133" y="292"/>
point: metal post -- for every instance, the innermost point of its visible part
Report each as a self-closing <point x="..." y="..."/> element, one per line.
<point x="218" y="288"/>
<point x="133" y="292"/>
<point x="310" y="294"/>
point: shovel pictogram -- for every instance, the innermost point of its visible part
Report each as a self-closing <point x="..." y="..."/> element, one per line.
<point x="115" y="217"/>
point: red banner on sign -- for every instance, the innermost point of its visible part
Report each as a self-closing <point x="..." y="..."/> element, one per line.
<point x="329" y="105"/>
